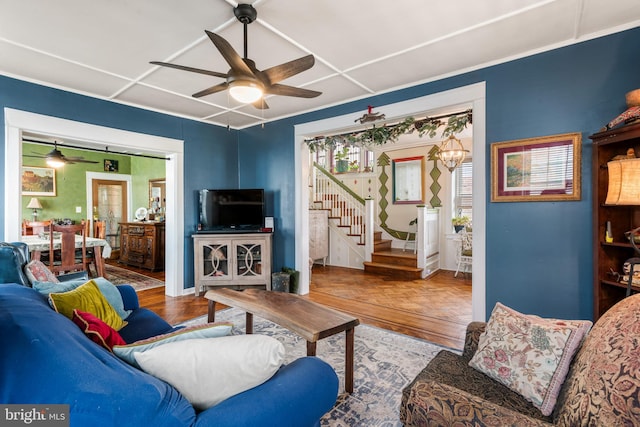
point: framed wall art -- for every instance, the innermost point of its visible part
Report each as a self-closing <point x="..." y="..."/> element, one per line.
<point x="110" y="165"/>
<point x="537" y="169"/>
<point x="38" y="181"/>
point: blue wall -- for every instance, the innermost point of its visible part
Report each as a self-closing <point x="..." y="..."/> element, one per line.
<point x="539" y="256"/>
<point x="210" y="152"/>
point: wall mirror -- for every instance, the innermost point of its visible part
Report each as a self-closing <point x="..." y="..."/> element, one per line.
<point x="157" y="193"/>
<point x="408" y="178"/>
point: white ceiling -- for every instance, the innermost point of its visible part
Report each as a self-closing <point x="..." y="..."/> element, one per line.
<point x="362" y="48"/>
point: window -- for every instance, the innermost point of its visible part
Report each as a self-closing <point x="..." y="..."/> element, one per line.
<point x="348" y="159"/>
<point x="463" y="197"/>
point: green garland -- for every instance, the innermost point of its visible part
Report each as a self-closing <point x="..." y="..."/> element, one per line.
<point x="378" y="135"/>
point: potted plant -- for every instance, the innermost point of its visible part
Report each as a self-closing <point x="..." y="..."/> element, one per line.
<point x="459" y="222"/>
<point x="342" y="162"/>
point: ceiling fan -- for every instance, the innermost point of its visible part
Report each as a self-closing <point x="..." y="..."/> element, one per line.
<point x="56" y="159"/>
<point x="245" y="82"/>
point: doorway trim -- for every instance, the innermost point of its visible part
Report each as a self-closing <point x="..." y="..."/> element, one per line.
<point x="17" y="121"/>
<point x="475" y="95"/>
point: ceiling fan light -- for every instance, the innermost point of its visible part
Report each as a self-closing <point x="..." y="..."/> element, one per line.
<point x="55" y="159"/>
<point x="55" y="163"/>
<point x="245" y="91"/>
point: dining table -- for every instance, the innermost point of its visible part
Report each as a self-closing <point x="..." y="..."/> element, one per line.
<point x="38" y="244"/>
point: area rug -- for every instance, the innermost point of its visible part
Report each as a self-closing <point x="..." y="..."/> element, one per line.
<point x="384" y="363"/>
<point x="118" y="276"/>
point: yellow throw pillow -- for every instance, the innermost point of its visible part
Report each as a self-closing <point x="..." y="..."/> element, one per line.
<point x="87" y="298"/>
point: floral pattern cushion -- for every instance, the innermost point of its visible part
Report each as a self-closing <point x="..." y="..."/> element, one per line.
<point x="37" y="271"/>
<point x="529" y="354"/>
<point x="603" y="387"/>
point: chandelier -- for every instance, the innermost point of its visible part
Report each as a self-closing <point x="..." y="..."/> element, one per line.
<point x="451" y="153"/>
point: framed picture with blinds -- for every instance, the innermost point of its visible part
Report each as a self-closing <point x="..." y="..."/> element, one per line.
<point x="537" y="169"/>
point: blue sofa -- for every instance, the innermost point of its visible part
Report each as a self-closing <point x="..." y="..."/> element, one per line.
<point x="46" y="359"/>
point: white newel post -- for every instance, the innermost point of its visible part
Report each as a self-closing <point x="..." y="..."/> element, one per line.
<point x="421" y="240"/>
<point x="369" y="226"/>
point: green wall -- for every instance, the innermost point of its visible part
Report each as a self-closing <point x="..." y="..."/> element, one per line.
<point x="71" y="180"/>
<point x="142" y="170"/>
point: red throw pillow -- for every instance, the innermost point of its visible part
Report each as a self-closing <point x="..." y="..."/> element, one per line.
<point x="97" y="331"/>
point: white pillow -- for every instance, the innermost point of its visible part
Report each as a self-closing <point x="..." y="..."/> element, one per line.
<point x="208" y="371"/>
<point x="207" y="330"/>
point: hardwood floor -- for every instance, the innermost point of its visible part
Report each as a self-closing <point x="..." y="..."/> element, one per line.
<point x="436" y="309"/>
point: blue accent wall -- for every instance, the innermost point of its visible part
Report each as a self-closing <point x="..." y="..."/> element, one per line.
<point x="210" y="152"/>
<point x="539" y="256"/>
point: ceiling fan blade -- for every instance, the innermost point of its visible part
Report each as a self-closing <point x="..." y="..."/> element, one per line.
<point x="213" y="89"/>
<point x="41" y="156"/>
<point x="191" y="69"/>
<point x="285" y="90"/>
<point x="234" y="60"/>
<point x="288" y="69"/>
<point x="78" y="160"/>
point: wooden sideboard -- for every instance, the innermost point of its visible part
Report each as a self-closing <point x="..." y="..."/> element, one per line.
<point x="142" y="244"/>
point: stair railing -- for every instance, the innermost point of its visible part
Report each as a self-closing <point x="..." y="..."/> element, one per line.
<point x="341" y="202"/>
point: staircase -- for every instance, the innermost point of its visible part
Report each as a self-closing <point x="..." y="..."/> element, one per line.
<point x="392" y="262"/>
<point x="346" y="213"/>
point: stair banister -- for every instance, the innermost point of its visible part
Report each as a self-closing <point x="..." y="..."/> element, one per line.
<point x="369" y="225"/>
<point x="421" y="239"/>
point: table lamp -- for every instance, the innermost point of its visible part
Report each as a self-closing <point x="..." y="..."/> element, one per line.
<point x="34" y="204"/>
<point x="624" y="182"/>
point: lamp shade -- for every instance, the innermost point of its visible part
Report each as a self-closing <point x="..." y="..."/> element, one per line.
<point x="624" y="182"/>
<point x="34" y="203"/>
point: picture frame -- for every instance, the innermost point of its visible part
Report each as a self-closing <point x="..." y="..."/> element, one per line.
<point x="537" y="169"/>
<point x="110" y="165"/>
<point x="37" y="181"/>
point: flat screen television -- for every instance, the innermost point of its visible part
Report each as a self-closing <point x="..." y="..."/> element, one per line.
<point x="231" y="210"/>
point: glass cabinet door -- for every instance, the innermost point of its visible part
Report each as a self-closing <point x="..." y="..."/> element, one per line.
<point x="249" y="259"/>
<point x="215" y="260"/>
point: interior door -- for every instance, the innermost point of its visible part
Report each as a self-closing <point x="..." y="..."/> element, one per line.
<point x="110" y="205"/>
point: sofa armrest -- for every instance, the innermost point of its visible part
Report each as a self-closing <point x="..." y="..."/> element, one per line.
<point x="129" y="297"/>
<point x="474" y="329"/>
<point x="298" y="395"/>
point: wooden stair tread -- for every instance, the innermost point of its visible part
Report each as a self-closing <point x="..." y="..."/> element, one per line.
<point x="392" y="266"/>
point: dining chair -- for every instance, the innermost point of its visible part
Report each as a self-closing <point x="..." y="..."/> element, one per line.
<point x="67" y="252"/>
<point x="99" y="232"/>
<point x="34" y="228"/>
<point x="413" y="231"/>
<point x="99" y="229"/>
<point x="464" y="255"/>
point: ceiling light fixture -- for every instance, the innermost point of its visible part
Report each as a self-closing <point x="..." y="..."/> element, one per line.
<point x="451" y="153"/>
<point x="246" y="91"/>
<point x="55" y="159"/>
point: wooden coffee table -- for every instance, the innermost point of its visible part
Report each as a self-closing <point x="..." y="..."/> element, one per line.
<point x="306" y="318"/>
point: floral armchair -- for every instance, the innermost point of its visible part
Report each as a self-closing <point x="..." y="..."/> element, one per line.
<point x="602" y="386"/>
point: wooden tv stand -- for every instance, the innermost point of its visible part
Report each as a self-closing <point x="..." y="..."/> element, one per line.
<point x="232" y="260"/>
